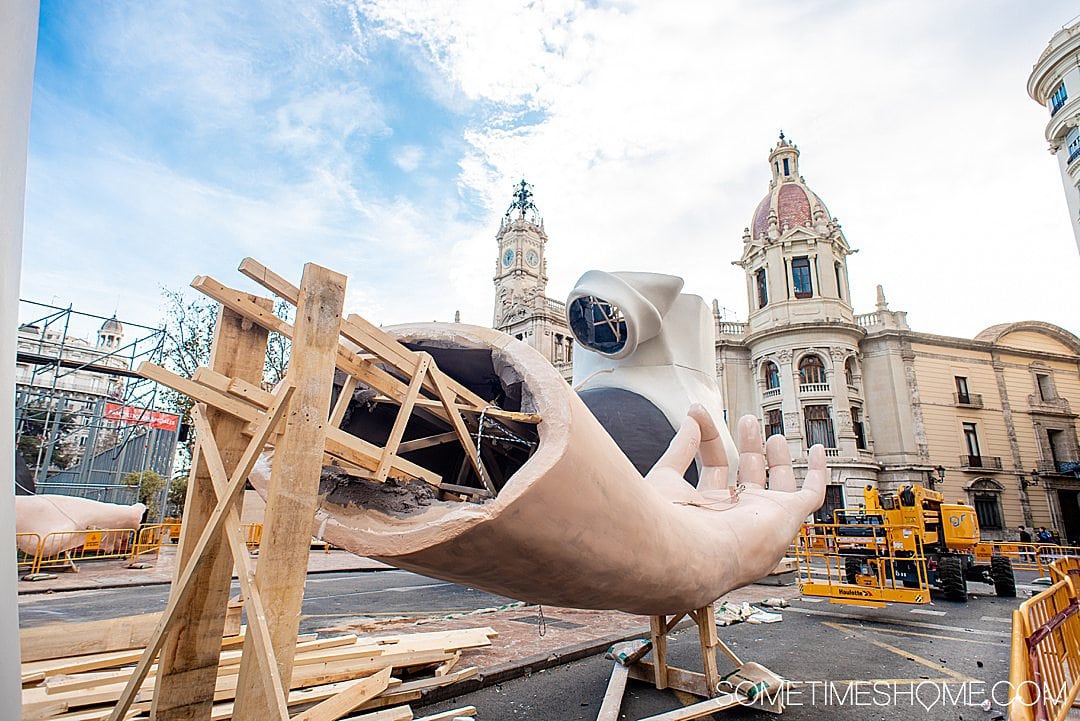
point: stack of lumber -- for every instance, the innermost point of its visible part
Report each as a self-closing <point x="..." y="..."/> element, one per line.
<point x="332" y="678"/>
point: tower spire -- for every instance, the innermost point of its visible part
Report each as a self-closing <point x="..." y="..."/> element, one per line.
<point x="523" y="203"/>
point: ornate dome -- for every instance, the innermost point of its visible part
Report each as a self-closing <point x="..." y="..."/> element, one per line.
<point x="111" y="327"/>
<point x="788" y="198"/>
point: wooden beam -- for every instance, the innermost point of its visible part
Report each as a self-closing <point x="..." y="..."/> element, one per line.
<point x="359" y="330"/>
<point x="340" y="444"/>
<point x="342" y="703"/>
<point x="613" y="696"/>
<point x="343" y="400"/>
<point x="62" y="639"/>
<point x="451" y="714"/>
<point x="398" y="430"/>
<point x="183" y="587"/>
<point x="462" y="433"/>
<point x="189" y="657"/>
<point x="426" y="442"/>
<point x="293" y="495"/>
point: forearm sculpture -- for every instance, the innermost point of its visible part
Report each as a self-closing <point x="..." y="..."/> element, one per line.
<point x="577" y="524"/>
<point x="46" y="513"/>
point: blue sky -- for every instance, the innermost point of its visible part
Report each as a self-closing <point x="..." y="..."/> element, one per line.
<point x="171" y="139"/>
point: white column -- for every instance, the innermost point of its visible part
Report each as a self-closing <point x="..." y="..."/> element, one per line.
<point x="18" y="43"/>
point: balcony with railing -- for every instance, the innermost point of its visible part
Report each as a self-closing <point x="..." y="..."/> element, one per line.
<point x="868" y="320"/>
<point x="1059" y="468"/>
<point x="556" y="306"/>
<point x="813" y="388"/>
<point x="968" y="400"/>
<point x="832" y="452"/>
<point x="771" y="393"/>
<point x="1074" y="153"/>
<point x="992" y="463"/>
<point x="731" y="328"/>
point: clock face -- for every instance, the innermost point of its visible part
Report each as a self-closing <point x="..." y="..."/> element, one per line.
<point x="508" y="257"/>
<point x="532" y="258"/>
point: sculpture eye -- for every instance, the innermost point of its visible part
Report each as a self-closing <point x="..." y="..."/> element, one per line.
<point x="598" y="324"/>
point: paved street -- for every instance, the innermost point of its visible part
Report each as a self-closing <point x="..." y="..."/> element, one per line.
<point x="329" y="599"/>
<point x="914" y="655"/>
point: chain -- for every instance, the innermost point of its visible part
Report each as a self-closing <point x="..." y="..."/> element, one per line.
<point x="541" y="622"/>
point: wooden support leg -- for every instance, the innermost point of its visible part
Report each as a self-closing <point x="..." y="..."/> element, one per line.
<point x="706" y="623"/>
<point x="189" y="659"/>
<point x="402" y="420"/>
<point x="294" y="480"/>
<point x="659" y="629"/>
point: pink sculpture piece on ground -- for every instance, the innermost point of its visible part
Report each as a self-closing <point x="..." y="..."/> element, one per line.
<point x="46" y="513"/>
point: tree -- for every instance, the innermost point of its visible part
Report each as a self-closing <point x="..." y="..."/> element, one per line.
<point x="37" y="421"/>
<point x="150" y="485"/>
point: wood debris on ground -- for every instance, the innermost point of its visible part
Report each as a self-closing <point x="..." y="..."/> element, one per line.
<point x="365" y="678"/>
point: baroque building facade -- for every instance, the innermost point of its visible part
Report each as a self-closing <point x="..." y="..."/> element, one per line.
<point x="988" y="420"/>
<point x="1055" y="84"/>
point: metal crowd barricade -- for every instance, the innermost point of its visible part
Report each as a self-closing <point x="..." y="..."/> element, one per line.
<point x="149" y="540"/>
<point x="1048" y="554"/>
<point x="252" y="535"/>
<point x="28" y="548"/>
<point x="67" y="548"/>
<point x="175" y="526"/>
<point x="1024" y="556"/>
<point x="1044" y="672"/>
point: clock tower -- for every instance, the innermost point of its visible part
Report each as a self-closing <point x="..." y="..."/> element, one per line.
<point x="522" y="308"/>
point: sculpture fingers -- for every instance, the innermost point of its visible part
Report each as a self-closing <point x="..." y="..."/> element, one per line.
<point x="667" y="474"/>
<point x="751" y="460"/>
<point x="778" y="456"/>
<point x="714" y="460"/>
<point x="812" y="493"/>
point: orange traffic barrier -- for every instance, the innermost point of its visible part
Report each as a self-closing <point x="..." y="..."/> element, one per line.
<point x="1024" y="556"/>
<point x="1044" y="674"/>
<point x="28" y="547"/>
<point x="66" y="548"/>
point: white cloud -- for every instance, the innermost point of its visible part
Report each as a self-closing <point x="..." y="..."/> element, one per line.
<point x="408" y="157"/>
<point x="657" y="119"/>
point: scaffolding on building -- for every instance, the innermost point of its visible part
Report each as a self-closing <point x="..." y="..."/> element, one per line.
<point x="84" y="418"/>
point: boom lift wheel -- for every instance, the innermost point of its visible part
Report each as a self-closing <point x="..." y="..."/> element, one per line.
<point x="1001" y="571"/>
<point x="951" y="576"/>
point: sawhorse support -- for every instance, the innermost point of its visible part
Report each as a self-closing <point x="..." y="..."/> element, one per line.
<point x="748" y="684"/>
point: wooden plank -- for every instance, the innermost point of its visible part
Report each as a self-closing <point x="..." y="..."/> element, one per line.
<point x="183" y="587"/>
<point x="706" y="622"/>
<point x="343" y="400"/>
<point x="659" y="629"/>
<point x="613" y="696"/>
<point x="293" y="495"/>
<point x="259" y="633"/>
<point x="401" y="713"/>
<point x="357" y="329"/>
<point x="462" y="433"/>
<point x="339" y="444"/>
<point x="426" y="442"/>
<point x="188" y="664"/>
<point x="679" y="679"/>
<point x="342" y="703"/>
<point x="451" y="714"/>
<point x="61" y="640"/>
<point x="402" y="420"/>
<point x="700" y="710"/>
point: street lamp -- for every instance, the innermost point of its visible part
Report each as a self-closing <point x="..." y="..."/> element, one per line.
<point x="932" y="480"/>
<point x="1024" y="482"/>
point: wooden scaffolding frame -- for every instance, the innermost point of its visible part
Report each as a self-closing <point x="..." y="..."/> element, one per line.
<point x="235" y="419"/>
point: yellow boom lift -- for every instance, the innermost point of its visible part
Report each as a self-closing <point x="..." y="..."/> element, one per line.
<point x="895" y="548"/>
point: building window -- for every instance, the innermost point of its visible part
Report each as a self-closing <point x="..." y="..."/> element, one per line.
<point x="811" y="370"/>
<point x="819" y="426"/>
<point x="962" y="394"/>
<point x="1057" y="100"/>
<point x="1046" y="386"/>
<point x="774" y="423"/>
<point x="971" y="443"/>
<point x="849" y="371"/>
<point x="839" y="283"/>
<point x="762" y="288"/>
<point x="834" y="501"/>
<point x="857" y="426"/>
<point x="986" y="497"/>
<point x="1055" y="438"/>
<point x="787" y="168"/>
<point x="800" y="274"/>
<point x="1072" y="144"/>
<point x="772" y="375"/>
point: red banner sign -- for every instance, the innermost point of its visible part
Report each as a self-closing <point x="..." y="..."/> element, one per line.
<point x="132" y="416"/>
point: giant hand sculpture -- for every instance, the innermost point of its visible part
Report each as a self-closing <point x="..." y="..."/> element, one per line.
<point x="45" y="513"/>
<point x="575" y="523"/>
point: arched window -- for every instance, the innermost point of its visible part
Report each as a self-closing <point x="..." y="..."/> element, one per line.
<point x="986" y="497"/>
<point x="771" y="374"/>
<point x="849" y="371"/>
<point x="811" y="370"/>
